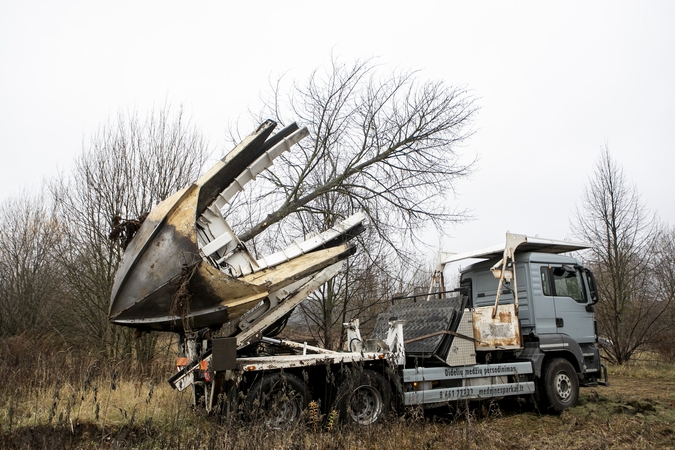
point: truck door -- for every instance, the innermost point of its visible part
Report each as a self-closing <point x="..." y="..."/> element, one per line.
<point x="544" y="306"/>
<point x="570" y="299"/>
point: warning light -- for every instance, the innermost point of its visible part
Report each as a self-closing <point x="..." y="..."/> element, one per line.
<point x="181" y="362"/>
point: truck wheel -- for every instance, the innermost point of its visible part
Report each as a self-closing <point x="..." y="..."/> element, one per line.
<point x="364" y="399"/>
<point x="277" y="399"/>
<point x="561" y="386"/>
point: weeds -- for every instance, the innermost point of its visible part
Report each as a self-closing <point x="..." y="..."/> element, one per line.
<point x="57" y="398"/>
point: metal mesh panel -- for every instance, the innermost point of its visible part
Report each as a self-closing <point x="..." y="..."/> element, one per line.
<point x="463" y="351"/>
<point x="423" y="318"/>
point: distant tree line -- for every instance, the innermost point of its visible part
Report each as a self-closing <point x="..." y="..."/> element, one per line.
<point x="57" y="262"/>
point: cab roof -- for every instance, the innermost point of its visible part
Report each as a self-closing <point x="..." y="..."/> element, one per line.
<point x="528" y="244"/>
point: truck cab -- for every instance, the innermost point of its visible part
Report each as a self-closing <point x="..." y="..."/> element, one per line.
<point x="555" y="306"/>
<point x="554" y="298"/>
<point x="554" y="294"/>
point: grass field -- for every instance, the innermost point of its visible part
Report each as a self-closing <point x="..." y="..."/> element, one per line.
<point x="61" y="400"/>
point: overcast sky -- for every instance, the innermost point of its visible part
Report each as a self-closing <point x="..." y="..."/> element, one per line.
<point x="555" y="82"/>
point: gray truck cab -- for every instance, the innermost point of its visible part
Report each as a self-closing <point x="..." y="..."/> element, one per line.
<point x="555" y="294"/>
<point x="554" y="305"/>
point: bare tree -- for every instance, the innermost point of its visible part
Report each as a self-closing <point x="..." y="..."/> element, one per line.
<point x="381" y="142"/>
<point x="362" y="291"/>
<point x="614" y="218"/>
<point x="384" y="143"/>
<point x="663" y="285"/>
<point x="129" y="166"/>
<point x="29" y="278"/>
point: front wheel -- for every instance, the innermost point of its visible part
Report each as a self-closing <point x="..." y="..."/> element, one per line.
<point x="364" y="399"/>
<point x="560" y="386"/>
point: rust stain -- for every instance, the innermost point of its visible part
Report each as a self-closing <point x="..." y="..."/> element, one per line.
<point x="504" y="316"/>
<point x="501" y="332"/>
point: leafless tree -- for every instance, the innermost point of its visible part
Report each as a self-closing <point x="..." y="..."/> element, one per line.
<point x="614" y="218"/>
<point x="385" y="143"/>
<point x="29" y="278"/>
<point x="362" y="291"/>
<point x="128" y="166"/>
<point x="663" y="285"/>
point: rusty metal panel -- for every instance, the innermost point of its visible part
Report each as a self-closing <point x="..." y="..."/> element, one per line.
<point x="261" y="363"/>
<point x="501" y="332"/>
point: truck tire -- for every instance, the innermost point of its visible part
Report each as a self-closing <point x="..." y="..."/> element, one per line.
<point x="364" y="399"/>
<point x="560" y="389"/>
<point x="277" y="399"/>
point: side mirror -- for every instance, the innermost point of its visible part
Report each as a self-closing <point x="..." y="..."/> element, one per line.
<point x="592" y="287"/>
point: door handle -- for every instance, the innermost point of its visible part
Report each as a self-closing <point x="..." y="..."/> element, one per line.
<point x="559" y="322"/>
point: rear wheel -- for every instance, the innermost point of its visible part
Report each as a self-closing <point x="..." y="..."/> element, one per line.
<point x="277" y="399"/>
<point x="364" y="399"/>
<point x="560" y="386"/>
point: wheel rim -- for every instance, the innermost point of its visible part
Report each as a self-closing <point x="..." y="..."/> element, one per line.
<point x="563" y="386"/>
<point x="365" y="405"/>
<point x="281" y="410"/>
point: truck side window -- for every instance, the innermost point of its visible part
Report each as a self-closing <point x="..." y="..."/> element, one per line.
<point x="545" y="281"/>
<point x="568" y="283"/>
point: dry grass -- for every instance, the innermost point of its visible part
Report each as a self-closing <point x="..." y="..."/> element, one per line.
<point x="61" y="399"/>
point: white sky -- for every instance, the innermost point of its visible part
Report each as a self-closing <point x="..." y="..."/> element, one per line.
<point x="556" y="80"/>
